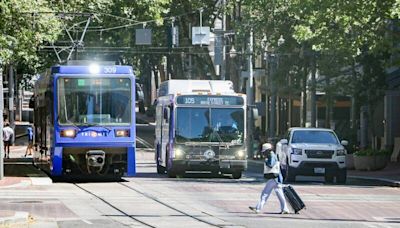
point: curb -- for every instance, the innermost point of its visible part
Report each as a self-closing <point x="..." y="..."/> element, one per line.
<point x="390" y="182"/>
<point x="18" y="218"/>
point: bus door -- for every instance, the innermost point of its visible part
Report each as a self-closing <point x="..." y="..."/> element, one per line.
<point x="165" y="133"/>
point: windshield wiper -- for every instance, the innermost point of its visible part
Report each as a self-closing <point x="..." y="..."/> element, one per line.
<point x="218" y="135"/>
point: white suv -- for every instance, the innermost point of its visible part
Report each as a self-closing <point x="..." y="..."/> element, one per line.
<point x="312" y="152"/>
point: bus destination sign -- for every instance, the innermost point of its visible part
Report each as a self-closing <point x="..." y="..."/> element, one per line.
<point x="209" y="100"/>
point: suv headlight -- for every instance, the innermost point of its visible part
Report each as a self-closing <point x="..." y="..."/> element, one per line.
<point x="341" y="152"/>
<point x="297" y="151"/>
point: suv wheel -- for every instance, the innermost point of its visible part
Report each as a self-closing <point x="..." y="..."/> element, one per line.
<point x="290" y="176"/>
<point x="341" y="177"/>
<point x="329" y="178"/>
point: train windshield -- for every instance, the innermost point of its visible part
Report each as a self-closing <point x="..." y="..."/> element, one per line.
<point x="94" y="101"/>
<point x="210" y="125"/>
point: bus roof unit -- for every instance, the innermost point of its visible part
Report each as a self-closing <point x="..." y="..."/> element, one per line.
<point x="195" y="86"/>
<point x="91" y="69"/>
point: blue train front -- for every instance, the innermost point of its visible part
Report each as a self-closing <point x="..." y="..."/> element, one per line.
<point x="85" y="121"/>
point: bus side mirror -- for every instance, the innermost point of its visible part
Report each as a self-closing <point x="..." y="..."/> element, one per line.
<point x="255" y="113"/>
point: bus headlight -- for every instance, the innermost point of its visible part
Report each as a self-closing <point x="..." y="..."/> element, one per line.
<point x="69" y="133"/>
<point x="122" y="133"/>
<point x="240" y="154"/>
<point x="178" y="153"/>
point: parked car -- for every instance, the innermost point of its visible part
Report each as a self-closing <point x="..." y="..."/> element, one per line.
<point x="312" y="152"/>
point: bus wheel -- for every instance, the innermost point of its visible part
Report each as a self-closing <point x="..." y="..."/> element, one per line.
<point x="236" y="174"/>
<point x="171" y="173"/>
<point x="160" y="169"/>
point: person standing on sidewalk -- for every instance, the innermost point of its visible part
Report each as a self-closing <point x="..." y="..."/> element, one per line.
<point x="29" y="148"/>
<point x="272" y="172"/>
<point x="8" y="134"/>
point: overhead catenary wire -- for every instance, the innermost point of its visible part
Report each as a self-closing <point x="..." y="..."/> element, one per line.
<point x="134" y="22"/>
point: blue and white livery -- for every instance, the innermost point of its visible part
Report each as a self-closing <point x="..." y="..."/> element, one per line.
<point x="84" y="121"/>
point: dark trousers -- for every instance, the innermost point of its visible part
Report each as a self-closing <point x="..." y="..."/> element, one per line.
<point x="7" y="148"/>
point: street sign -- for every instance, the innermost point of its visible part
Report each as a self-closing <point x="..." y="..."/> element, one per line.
<point x="201" y="35"/>
<point x="143" y="36"/>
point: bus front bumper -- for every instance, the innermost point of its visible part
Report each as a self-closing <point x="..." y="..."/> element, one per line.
<point x="210" y="165"/>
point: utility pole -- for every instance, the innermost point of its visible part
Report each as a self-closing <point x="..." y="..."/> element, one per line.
<point x="313" y="102"/>
<point x="250" y="101"/>
<point x="272" y="119"/>
<point x="1" y="122"/>
<point x="11" y="96"/>
<point x="223" y="64"/>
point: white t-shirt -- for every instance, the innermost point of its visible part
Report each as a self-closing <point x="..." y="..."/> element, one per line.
<point x="7" y="133"/>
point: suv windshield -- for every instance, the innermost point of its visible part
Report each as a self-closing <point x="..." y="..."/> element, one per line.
<point x="324" y="137"/>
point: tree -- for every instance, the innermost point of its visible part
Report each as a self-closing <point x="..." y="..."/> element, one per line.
<point x="22" y="31"/>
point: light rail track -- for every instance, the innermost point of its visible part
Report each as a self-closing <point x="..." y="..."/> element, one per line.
<point x="115" y="207"/>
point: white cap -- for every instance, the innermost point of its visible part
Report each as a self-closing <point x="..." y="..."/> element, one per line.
<point x="266" y="146"/>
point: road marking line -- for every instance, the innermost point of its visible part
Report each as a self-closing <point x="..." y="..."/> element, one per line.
<point x="87" y="222"/>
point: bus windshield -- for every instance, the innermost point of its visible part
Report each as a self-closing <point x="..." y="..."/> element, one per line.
<point x="94" y="101"/>
<point x="210" y="125"/>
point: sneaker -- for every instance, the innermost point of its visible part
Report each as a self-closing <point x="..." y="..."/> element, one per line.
<point x="254" y="209"/>
<point x="284" y="212"/>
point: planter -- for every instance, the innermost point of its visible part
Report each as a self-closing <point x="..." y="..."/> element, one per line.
<point x="349" y="161"/>
<point x="370" y="163"/>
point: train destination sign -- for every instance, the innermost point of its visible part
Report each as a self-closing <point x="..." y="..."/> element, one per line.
<point x="209" y="100"/>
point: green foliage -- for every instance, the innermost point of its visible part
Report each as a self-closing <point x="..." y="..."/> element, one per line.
<point x="372" y="152"/>
<point x="345" y="26"/>
<point x="21" y="31"/>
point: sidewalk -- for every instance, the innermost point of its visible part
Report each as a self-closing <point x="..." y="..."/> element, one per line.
<point x="390" y="174"/>
<point x="18" y="174"/>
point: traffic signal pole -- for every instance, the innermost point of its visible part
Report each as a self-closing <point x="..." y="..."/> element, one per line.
<point x="250" y="99"/>
<point x="1" y="123"/>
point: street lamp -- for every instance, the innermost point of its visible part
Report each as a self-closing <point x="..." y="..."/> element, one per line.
<point x="281" y="41"/>
<point x="232" y="52"/>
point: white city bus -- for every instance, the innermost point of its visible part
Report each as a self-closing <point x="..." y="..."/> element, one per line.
<point x="200" y="126"/>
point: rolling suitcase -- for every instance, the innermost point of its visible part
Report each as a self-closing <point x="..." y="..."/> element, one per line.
<point x="293" y="198"/>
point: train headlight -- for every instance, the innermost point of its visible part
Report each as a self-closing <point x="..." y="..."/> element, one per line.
<point x="69" y="133"/>
<point x="122" y="133"/>
<point x="94" y="69"/>
<point x="178" y="153"/>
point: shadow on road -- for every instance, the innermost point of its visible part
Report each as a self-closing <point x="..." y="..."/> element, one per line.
<point x="22" y="170"/>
